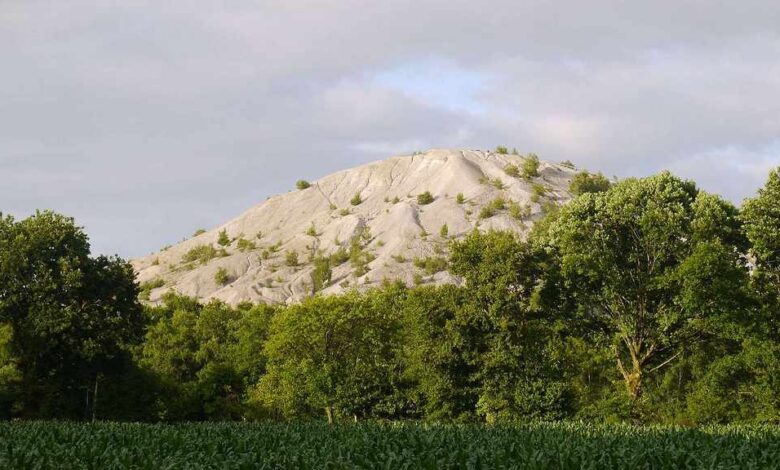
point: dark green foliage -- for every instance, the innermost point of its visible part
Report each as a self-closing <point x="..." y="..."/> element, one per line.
<point x="302" y="184"/>
<point x="512" y="170"/>
<point x="502" y="150"/>
<point x="356" y="200"/>
<point x="460" y="199"/>
<point x="372" y="445"/>
<point x="200" y="231"/>
<point x="584" y="182"/>
<point x="424" y="198"/>
<point x="652" y="262"/>
<point x="68" y="319"/>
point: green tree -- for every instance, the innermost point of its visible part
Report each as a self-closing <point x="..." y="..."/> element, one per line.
<point x="73" y="317"/>
<point x="302" y="184"/>
<point x="508" y="290"/>
<point x="333" y="353"/>
<point x="761" y="216"/>
<point x="650" y="263"/>
<point x="321" y="274"/>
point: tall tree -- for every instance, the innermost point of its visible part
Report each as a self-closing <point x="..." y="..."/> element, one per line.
<point x="511" y="332"/>
<point x="72" y="316"/>
<point x="651" y="262"/>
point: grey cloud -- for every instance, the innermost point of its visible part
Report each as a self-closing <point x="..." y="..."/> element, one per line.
<point x="146" y="120"/>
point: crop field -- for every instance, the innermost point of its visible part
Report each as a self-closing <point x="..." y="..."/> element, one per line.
<point x="394" y="446"/>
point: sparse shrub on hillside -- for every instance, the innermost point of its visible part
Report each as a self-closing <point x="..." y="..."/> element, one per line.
<point x="431" y="264"/>
<point x="512" y="170"/>
<point x="223" y="239"/>
<point x="339" y="257"/>
<point x="221" y="277"/>
<point x="245" y="245"/>
<point x="424" y="198"/>
<point x="291" y="258"/>
<point x="321" y="275"/>
<point x="399" y="258"/>
<point x="502" y="150"/>
<point x="259" y="235"/>
<point x="356" y="200"/>
<point x="444" y="231"/>
<point x="494" y="206"/>
<point x="549" y="207"/>
<point x="200" y="231"/>
<point x="516" y="211"/>
<point x="265" y="254"/>
<point x="146" y="288"/>
<point x="302" y="184"/>
<point x="460" y="198"/>
<point x="417" y="278"/>
<point x="156" y="262"/>
<point x="515" y="152"/>
<point x="584" y="182"/>
<point x="530" y="166"/>
<point x="202" y="254"/>
<point x="568" y="164"/>
<point x="312" y="230"/>
<point x="344" y="212"/>
<point x="538" y="191"/>
<point x="332" y="206"/>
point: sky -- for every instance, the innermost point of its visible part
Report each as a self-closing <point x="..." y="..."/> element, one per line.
<point x="146" y="120"/>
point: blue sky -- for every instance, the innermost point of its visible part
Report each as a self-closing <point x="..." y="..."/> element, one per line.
<point x="146" y="120"/>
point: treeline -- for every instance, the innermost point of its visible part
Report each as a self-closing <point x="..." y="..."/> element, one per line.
<point x="648" y="301"/>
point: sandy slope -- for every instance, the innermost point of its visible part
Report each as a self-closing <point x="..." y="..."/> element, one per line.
<point x="403" y="228"/>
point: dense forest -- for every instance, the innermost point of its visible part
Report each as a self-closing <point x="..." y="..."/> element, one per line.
<point x="647" y="301"/>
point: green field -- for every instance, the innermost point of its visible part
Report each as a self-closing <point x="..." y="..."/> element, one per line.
<point x="314" y="445"/>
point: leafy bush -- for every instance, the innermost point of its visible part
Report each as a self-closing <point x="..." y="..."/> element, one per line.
<point x="444" y="231"/>
<point x="223" y="239"/>
<point x="344" y="212"/>
<point x="321" y="275"/>
<point x="531" y="166"/>
<point x="339" y="257"/>
<point x="424" y="198"/>
<point x="494" y="206"/>
<point x="584" y="182"/>
<point x="302" y="184"/>
<point x="460" y="198"/>
<point x="512" y="170"/>
<point x="396" y="200"/>
<point x="221" y="277"/>
<point x="312" y="230"/>
<point x="502" y="150"/>
<point x="537" y="192"/>
<point x="517" y="211"/>
<point x="202" y="254"/>
<point x="245" y="245"/>
<point x="291" y="258"/>
<point x="200" y="231"/>
<point x="356" y="200"/>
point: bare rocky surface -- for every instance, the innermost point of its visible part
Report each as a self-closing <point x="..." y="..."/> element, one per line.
<point x="385" y="233"/>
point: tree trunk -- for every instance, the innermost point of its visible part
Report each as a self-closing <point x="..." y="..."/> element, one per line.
<point x="94" y="398"/>
<point x="329" y="413"/>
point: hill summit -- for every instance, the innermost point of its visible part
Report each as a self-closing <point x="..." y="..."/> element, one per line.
<point x="391" y="219"/>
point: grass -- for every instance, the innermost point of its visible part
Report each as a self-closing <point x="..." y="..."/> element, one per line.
<point x="307" y="445"/>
